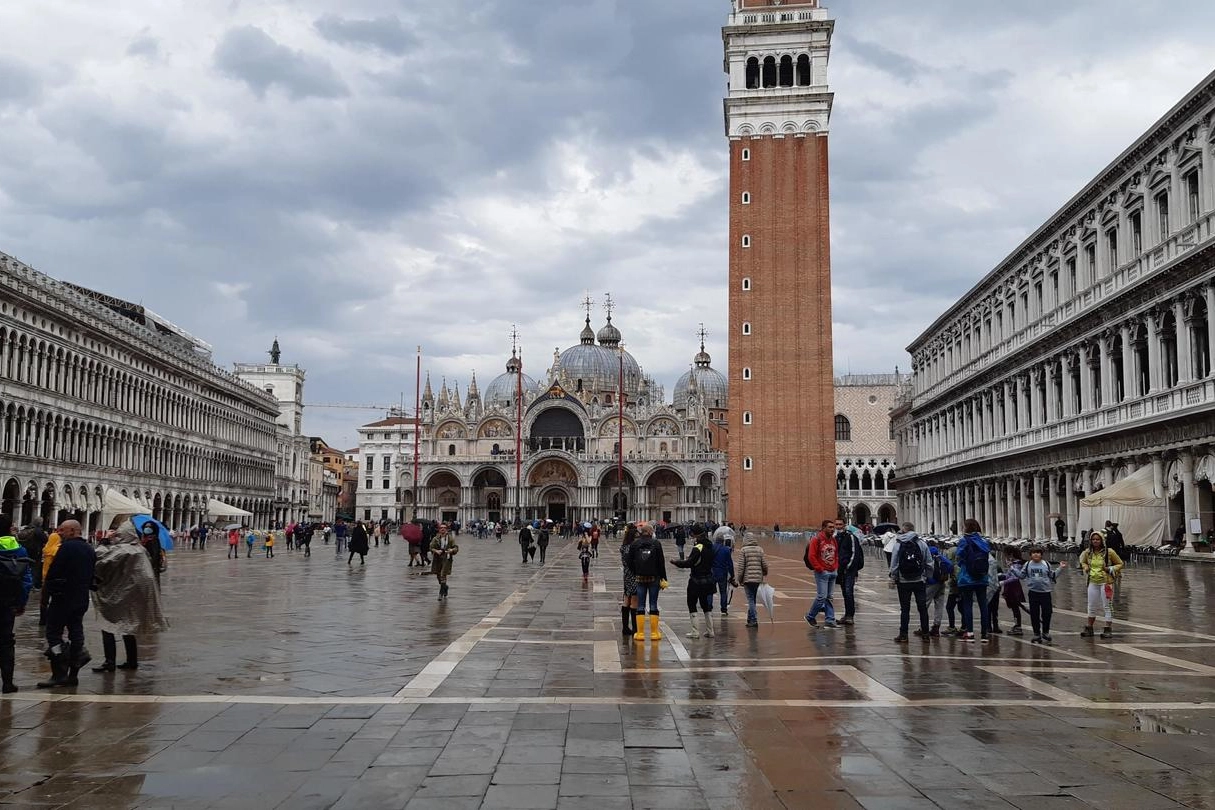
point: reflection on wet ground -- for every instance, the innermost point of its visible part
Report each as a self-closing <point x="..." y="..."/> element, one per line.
<point x="313" y="684"/>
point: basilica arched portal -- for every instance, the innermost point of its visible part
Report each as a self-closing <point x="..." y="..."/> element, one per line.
<point x="555" y="484"/>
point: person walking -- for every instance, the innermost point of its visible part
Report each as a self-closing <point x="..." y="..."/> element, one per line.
<point x="340" y="532"/>
<point x="649" y="568"/>
<point x="526" y="542"/>
<point x="542" y="541"/>
<point x="723" y="566"/>
<point x="126" y="597"/>
<point x="852" y="560"/>
<point x="1039" y="579"/>
<point x="628" y="604"/>
<point x="594" y="535"/>
<point x="33" y="539"/>
<point x="250" y="541"/>
<point x="1014" y="594"/>
<point x="908" y="572"/>
<point x="584" y="557"/>
<point x="1060" y="529"/>
<point x="412" y="534"/>
<point x="701" y="584"/>
<point x="822" y="557"/>
<point x="233" y="545"/>
<point x="752" y="569"/>
<point x="16" y="582"/>
<point x="67" y="581"/>
<point x="973" y="556"/>
<point x="443" y="550"/>
<point x="269" y="545"/>
<point x="358" y="544"/>
<point x="1102" y="565"/>
<point x="303" y="538"/>
<point x="149" y="538"/>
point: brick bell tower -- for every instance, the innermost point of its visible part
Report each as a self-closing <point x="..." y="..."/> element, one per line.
<point x="782" y="411"/>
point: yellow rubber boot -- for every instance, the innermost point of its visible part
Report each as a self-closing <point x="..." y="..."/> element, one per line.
<point x="639" y="618"/>
<point x="655" y="633"/>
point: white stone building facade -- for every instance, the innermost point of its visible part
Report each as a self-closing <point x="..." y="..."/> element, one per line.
<point x="293" y="478"/>
<point x="96" y="392"/>
<point x="386" y="456"/>
<point x="1085" y="355"/>
<point x="865" y="446"/>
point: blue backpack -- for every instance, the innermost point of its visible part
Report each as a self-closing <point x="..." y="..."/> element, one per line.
<point x="972" y="555"/>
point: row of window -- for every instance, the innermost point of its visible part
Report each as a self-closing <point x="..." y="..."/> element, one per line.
<point x="1077" y="272"/>
<point x="773" y="73"/>
<point x="54" y="369"/>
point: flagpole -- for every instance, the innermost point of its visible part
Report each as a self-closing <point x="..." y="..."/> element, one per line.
<point x="519" y="442"/>
<point x="620" y="434"/>
<point x="417" y="428"/>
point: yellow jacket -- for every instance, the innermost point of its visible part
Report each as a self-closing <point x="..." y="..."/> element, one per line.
<point x="49" y="551"/>
<point x="1111" y="560"/>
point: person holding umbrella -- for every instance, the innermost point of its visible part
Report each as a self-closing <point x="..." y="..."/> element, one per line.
<point x="126" y="597"/>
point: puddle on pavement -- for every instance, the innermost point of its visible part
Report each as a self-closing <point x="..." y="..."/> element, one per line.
<point x="1160" y="724"/>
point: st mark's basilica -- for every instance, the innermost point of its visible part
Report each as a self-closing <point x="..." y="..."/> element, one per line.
<point x="573" y="423"/>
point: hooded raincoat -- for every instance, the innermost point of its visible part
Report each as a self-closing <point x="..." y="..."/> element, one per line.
<point x="126" y="599"/>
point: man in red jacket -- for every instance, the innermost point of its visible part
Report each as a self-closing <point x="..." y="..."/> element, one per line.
<point x="822" y="557"/>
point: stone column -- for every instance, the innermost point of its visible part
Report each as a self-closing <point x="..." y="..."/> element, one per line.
<point x="1106" y="371"/>
<point x="1052" y="410"/>
<point x="1035" y="397"/>
<point x="1013" y="521"/>
<point x="1210" y="296"/>
<point x="1071" y="505"/>
<point x="1155" y="358"/>
<point x="1086" y="383"/>
<point x="1027" y="514"/>
<point x="1009" y="404"/>
<point x="990" y="507"/>
<point x="1107" y="476"/>
<point x="1039" y="508"/>
<point x="1052" y="503"/>
<point x="1185" y="357"/>
<point x="1069" y="386"/>
<point x="1189" y="493"/>
<point x="1130" y="376"/>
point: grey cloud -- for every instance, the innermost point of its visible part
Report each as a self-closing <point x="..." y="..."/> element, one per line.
<point x="252" y="56"/>
<point x="385" y="33"/>
<point x="145" y="46"/>
<point x="18" y="82"/>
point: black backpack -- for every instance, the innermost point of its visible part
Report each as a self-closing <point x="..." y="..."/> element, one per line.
<point x="645" y="560"/>
<point x="12" y="580"/>
<point x="911" y="561"/>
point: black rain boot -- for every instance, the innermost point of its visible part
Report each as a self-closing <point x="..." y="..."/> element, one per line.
<point x="633" y="616"/>
<point x="110" y="651"/>
<point x="79" y="656"/>
<point x="132" y="649"/>
<point x="8" y="662"/>
<point x="625" y="621"/>
<point x="58" y="656"/>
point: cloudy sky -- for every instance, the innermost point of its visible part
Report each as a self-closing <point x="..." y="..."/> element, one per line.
<point x="361" y="177"/>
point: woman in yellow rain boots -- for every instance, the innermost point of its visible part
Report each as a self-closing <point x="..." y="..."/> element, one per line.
<point x="649" y="568"/>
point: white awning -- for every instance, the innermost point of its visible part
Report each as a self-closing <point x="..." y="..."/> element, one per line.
<point x="115" y="503"/>
<point x="220" y="509"/>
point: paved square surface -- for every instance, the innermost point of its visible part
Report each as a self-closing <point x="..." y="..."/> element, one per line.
<point x="307" y="683"/>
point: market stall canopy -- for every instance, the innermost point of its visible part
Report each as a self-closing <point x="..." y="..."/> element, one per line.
<point x="220" y="509"/>
<point x="1136" y="503"/>
<point x="115" y="503"/>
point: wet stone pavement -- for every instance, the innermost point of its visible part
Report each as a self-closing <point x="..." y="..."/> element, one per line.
<point x="306" y="683"/>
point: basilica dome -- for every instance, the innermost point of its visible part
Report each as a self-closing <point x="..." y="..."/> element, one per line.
<point x="710" y="384"/>
<point x="596" y="368"/>
<point x="500" y="393"/>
